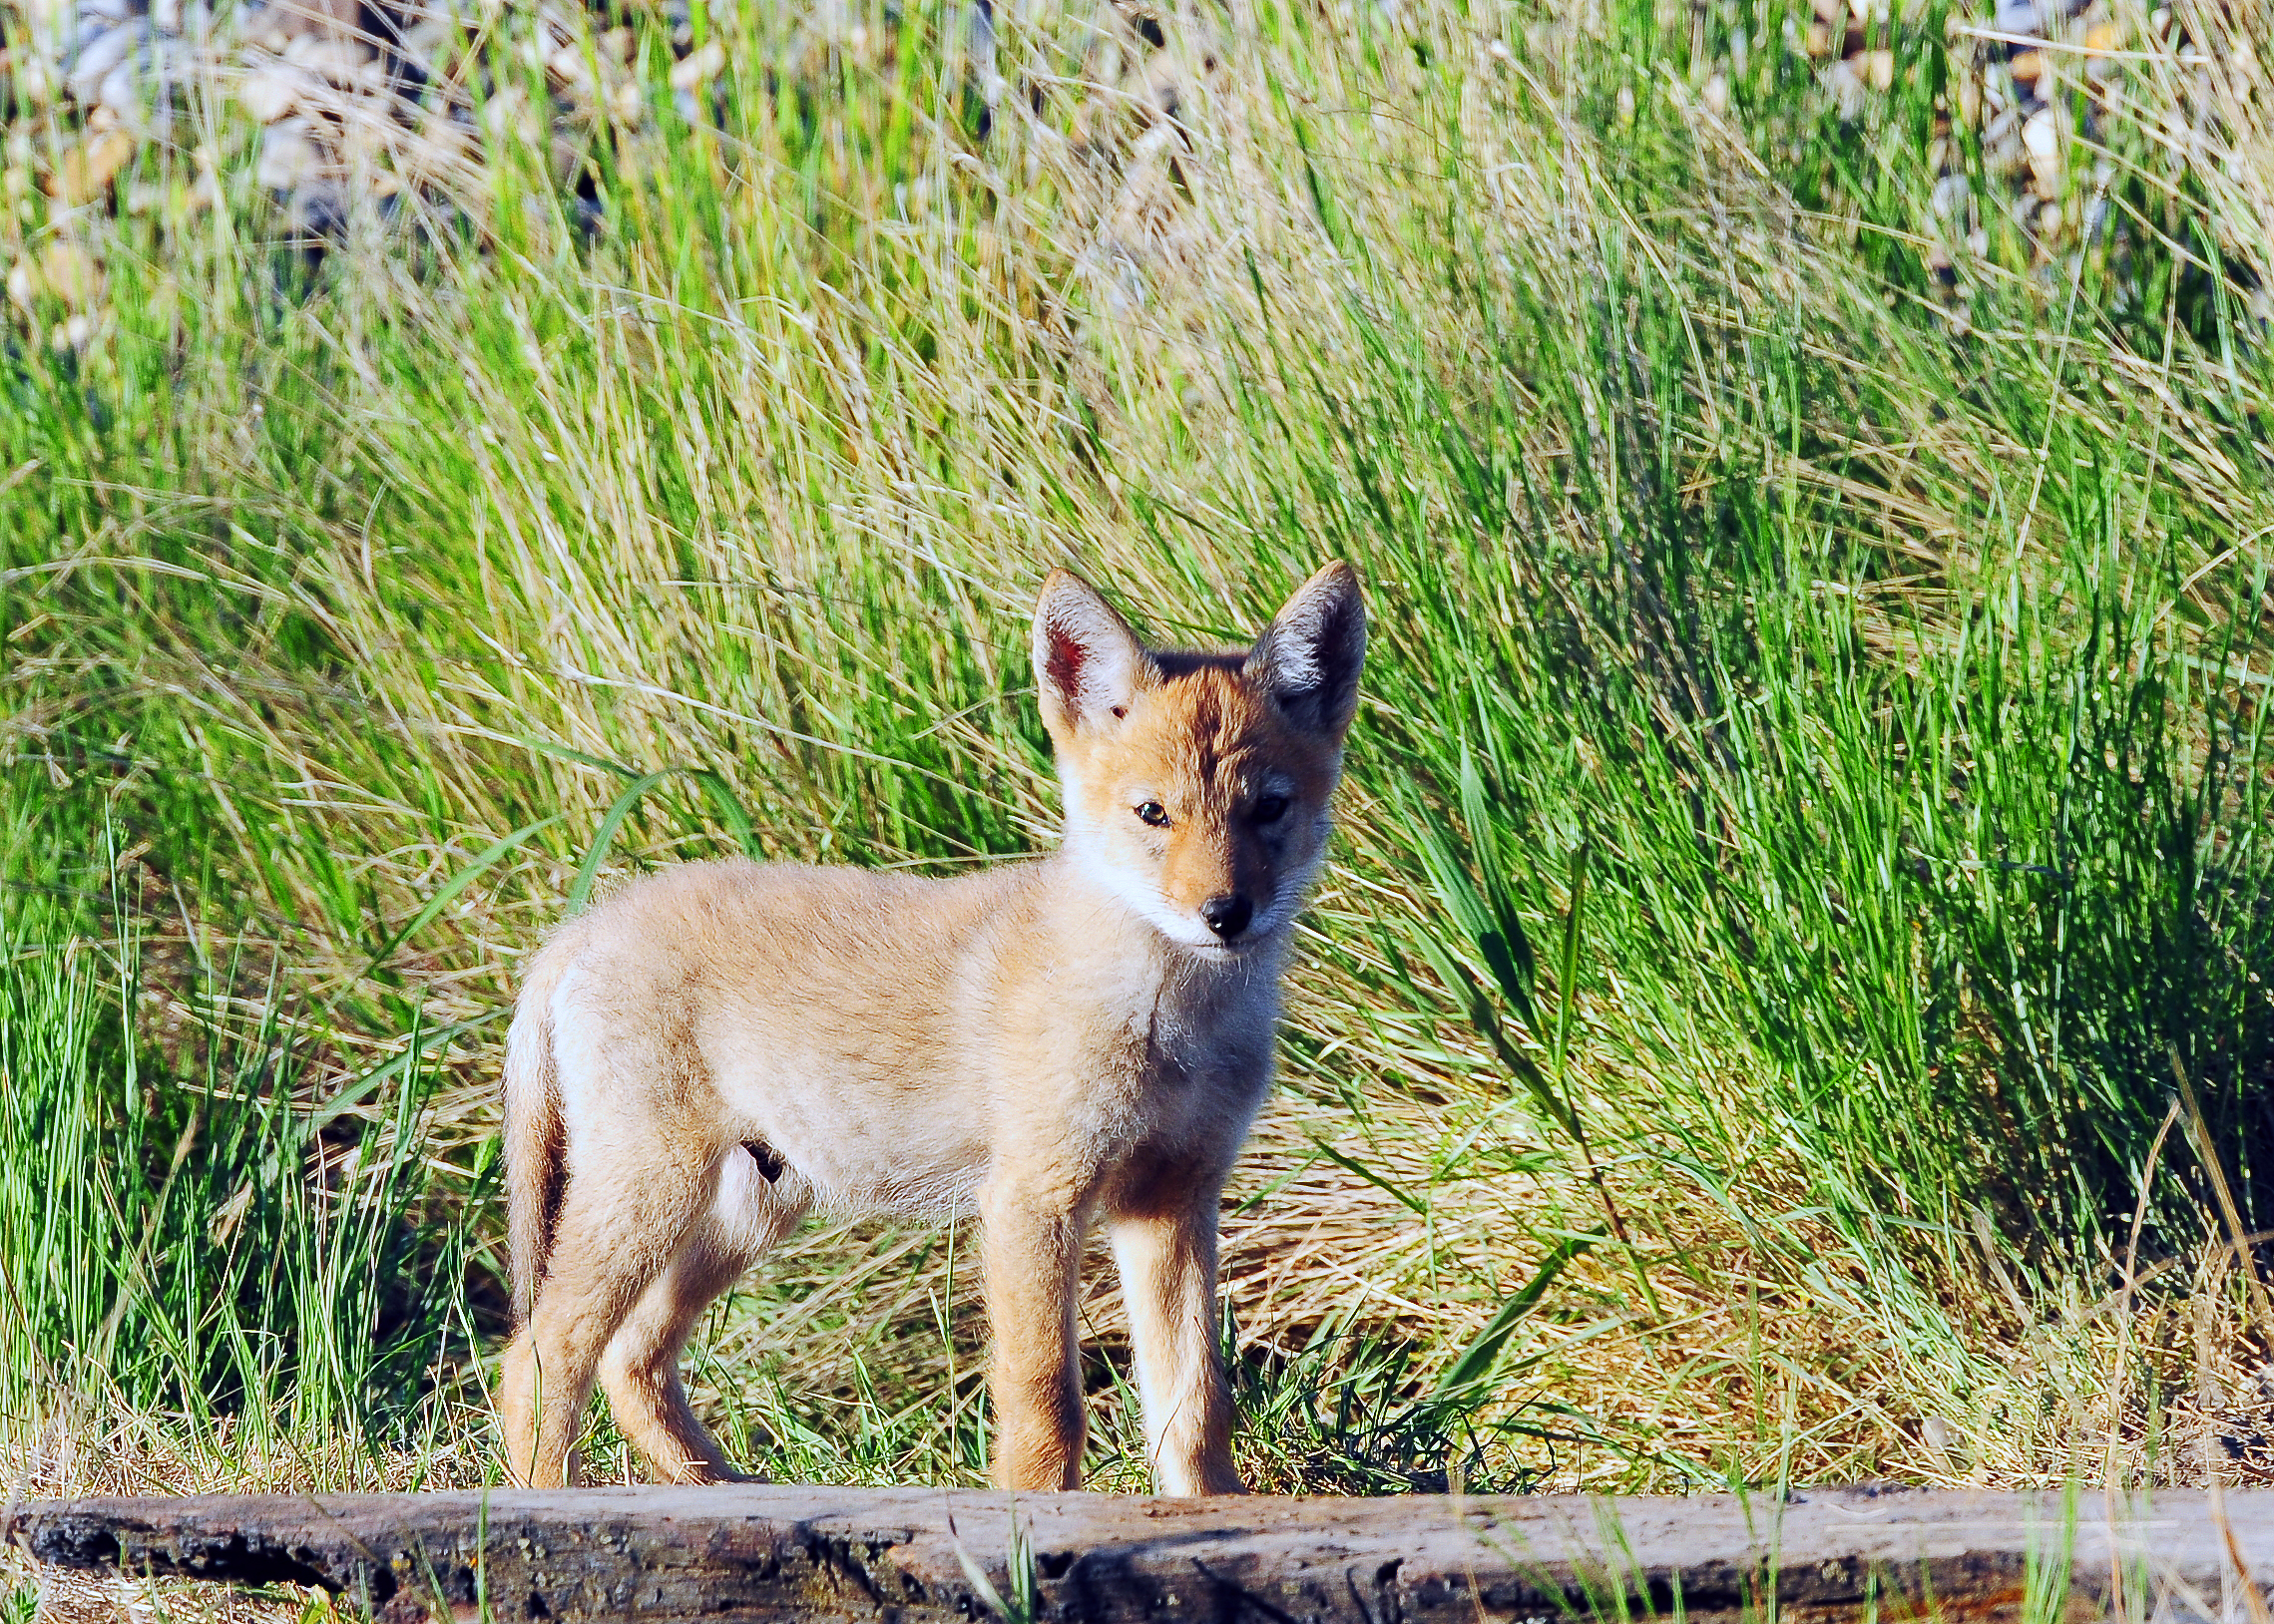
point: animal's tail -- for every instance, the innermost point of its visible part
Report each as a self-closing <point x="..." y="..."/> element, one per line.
<point x="536" y="1141"/>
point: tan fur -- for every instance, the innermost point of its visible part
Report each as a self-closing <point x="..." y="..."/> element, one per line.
<point x="722" y="1047"/>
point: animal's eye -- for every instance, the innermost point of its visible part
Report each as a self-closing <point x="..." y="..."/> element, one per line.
<point x="1271" y="809"/>
<point x="1155" y="813"/>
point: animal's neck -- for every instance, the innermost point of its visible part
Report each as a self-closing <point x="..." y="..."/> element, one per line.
<point x="1092" y="922"/>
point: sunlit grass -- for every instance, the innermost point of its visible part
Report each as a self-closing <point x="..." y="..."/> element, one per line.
<point x="1903" y="688"/>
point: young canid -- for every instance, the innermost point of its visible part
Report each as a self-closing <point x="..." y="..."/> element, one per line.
<point x="720" y="1046"/>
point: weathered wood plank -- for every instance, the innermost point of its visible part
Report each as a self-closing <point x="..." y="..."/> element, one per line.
<point x="904" y="1556"/>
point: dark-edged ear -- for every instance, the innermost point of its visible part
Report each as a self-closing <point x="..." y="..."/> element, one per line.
<point x="1309" y="657"/>
<point x="1089" y="664"/>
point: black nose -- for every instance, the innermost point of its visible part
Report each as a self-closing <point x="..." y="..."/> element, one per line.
<point x="1227" y="916"/>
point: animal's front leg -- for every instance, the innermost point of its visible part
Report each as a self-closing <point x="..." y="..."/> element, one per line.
<point x="1032" y="1252"/>
<point x="1164" y="1244"/>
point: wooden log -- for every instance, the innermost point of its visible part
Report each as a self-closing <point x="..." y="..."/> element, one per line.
<point x="919" y="1556"/>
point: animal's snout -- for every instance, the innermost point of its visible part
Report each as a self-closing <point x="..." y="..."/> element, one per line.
<point x="1227" y="914"/>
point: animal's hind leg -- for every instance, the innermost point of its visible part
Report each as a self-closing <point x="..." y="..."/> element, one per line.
<point x="617" y="1234"/>
<point x="640" y="1368"/>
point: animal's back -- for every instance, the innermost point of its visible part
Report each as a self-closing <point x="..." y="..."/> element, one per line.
<point x="826" y="1011"/>
<point x="737" y="934"/>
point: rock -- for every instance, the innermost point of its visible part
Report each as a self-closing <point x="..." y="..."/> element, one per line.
<point x="97" y="58"/>
<point x="85" y="171"/>
<point x="337" y="18"/>
<point x="121" y="92"/>
<point x="31" y="77"/>
<point x="699" y="67"/>
<point x="1715" y="94"/>
<point x="290" y="155"/>
<point x="335" y="57"/>
<point x="62" y="270"/>
<point x="441" y="152"/>
<point x="2017" y="17"/>
<point x="272" y="91"/>
<point x="1847" y="88"/>
<point x="431" y="43"/>
<point x="316" y="209"/>
<point x="568" y="65"/>
<point x="2041" y="136"/>
<point x="1877" y="69"/>
<point x="2101" y="43"/>
<point x="506" y="114"/>
<point x="1951" y="194"/>
<point x="265" y="29"/>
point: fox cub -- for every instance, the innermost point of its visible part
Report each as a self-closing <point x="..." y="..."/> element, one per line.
<point x="722" y="1047"/>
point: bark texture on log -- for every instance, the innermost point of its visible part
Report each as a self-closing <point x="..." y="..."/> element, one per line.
<point x="908" y="1556"/>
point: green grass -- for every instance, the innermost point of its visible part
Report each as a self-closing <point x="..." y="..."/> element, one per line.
<point x="1902" y="685"/>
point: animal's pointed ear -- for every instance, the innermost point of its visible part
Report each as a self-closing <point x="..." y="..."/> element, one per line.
<point x="1089" y="664"/>
<point x="1309" y="657"/>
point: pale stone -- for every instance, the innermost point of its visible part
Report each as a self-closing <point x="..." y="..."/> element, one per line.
<point x="267" y="29"/>
<point x="1878" y="70"/>
<point x="442" y="151"/>
<point x="290" y="155"/>
<point x="1847" y="88"/>
<point x="568" y="65"/>
<point x="31" y="76"/>
<point x="2042" y="137"/>
<point x="429" y="43"/>
<point x="271" y="92"/>
<point x="702" y="66"/>
<point x="94" y="64"/>
<point x="86" y="170"/>
<point x="329" y="54"/>
<point x="1716" y="94"/>
<point x="507" y="113"/>
<point x="69" y="273"/>
<point x="121" y="92"/>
